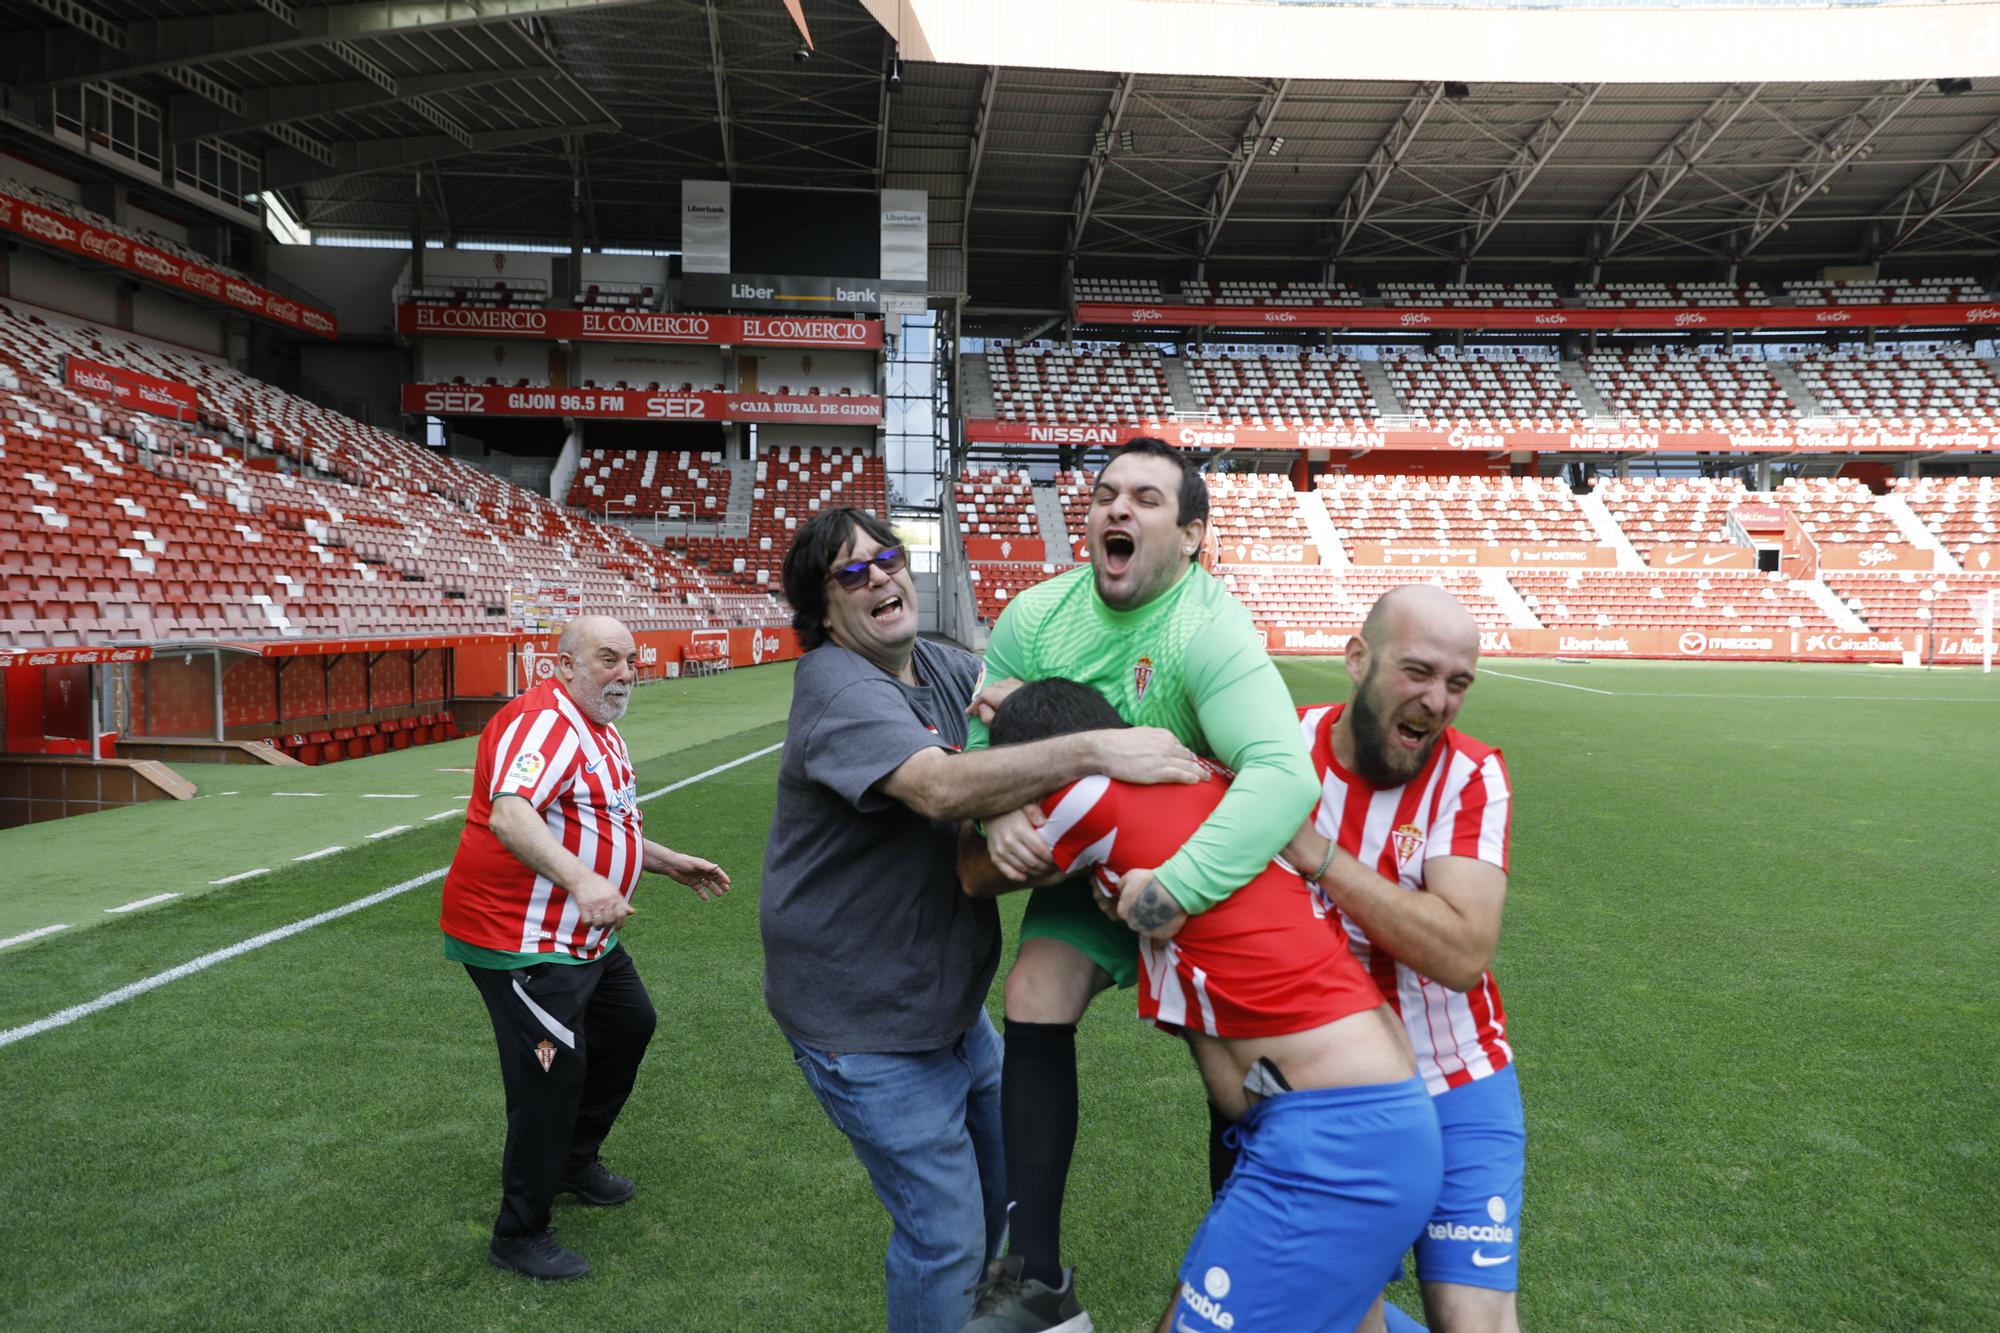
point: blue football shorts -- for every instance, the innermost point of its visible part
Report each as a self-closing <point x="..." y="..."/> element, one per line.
<point x="1474" y="1235"/>
<point x="1330" y="1185"/>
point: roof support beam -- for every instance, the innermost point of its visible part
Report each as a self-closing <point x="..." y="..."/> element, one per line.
<point x="1238" y="170"/>
<point x="1784" y="196"/>
<point x="259" y="108"/>
<point x="1093" y="171"/>
<point x="357" y="158"/>
<point x="154" y="44"/>
<point x="989" y="90"/>
<point x="1659" y="177"/>
<point x="716" y="67"/>
<point x="1499" y="197"/>
<point x="1935" y="191"/>
<point x="1382" y="164"/>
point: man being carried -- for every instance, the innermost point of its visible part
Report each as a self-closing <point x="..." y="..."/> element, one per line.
<point x="1339" y="1156"/>
<point x="1412" y="833"/>
<point x="1147" y="628"/>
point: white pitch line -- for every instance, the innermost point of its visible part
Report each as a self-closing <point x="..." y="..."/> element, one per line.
<point x="324" y="851"/>
<point x="387" y="832"/>
<point x="248" y="874"/>
<point x="389" y="795"/>
<point x="143" y="902"/>
<point x="64" y="1017"/>
<point x="31" y="935"/>
<point x="1830" y="698"/>
<point x="298" y="793"/>
<point x="1559" y="684"/>
<point x="445" y="814"/>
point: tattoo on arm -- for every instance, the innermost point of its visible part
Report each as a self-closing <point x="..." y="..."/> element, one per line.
<point x="1152" y="909"/>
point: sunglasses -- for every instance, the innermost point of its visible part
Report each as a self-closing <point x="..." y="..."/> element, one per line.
<point x="890" y="560"/>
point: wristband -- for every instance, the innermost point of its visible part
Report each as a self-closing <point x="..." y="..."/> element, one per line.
<point x="1324" y="862"/>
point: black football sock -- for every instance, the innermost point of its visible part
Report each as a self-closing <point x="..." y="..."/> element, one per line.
<point x="1038" y="1129"/>
<point x="1221" y="1157"/>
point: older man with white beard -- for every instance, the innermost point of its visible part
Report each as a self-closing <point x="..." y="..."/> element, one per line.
<point x="551" y="852"/>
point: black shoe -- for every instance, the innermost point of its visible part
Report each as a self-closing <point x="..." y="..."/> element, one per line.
<point x="538" y="1256"/>
<point x="596" y="1186"/>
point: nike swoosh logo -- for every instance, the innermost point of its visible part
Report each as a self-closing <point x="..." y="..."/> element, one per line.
<point x="1487" y="1261"/>
<point x="594" y="766"/>
<point x="1682" y="558"/>
<point x="1718" y="556"/>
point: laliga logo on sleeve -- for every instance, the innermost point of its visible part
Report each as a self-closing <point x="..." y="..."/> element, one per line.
<point x="526" y="768"/>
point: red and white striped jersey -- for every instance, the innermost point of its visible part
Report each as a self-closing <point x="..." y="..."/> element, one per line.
<point x="1260" y="963"/>
<point x="1458" y="804"/>
<point x="541" y="747"/>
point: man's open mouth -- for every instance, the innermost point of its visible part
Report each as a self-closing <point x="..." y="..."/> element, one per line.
<point x="1414" y="735"/>
<point x="887" y="607"/>
<point x="1119" y="548"/>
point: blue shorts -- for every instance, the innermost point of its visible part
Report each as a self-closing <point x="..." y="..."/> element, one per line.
<point x="1330" y="1184"/>
<point x="1475" y="1232"/>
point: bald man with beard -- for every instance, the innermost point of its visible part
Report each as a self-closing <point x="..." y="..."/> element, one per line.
<point x="553" y="847"/>
<point x="1407" y="849"/>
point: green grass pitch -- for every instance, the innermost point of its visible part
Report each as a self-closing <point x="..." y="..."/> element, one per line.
<point x="1749" y="962"/>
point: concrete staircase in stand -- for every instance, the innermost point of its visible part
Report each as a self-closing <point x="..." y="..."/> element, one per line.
<point x="976" y="387"/>
<point x="1585" y="388"/>
<point x="1914" y="532"/>
<point x="1795" y="388"/>
<point x="1180" y="388"/>
<point x="1836" y="610"/>
<point x="1387" y="401"/>
<point x="1312" y="512"/>
<point x="1608" y="531"/>
<point x="1508" y="599"/>
<point x="1055" y="536"/>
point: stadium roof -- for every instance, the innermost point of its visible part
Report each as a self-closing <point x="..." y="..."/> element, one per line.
<point x="510" y="115"/>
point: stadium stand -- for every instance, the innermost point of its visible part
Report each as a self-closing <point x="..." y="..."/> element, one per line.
<point x="1837" y="509"/>
<point x="1909" y="601"/>
<point x="1656" y="511"/>
<point x="1885" y="291"/>
<point x="1669" y="295"/>
<point x="1072" y="384"/>
<point x="1473" y="295"/>
<point x="55" y="203"/>
<point x="1254" y="508"/>
<point x="995" y="582"/>
<point x="673" y="483"/>
<point x="1453" y="510"/>
<point x="1315" y="594"/>
<point x="1961" y="512"/>
<point x="792" y="484"/>
<point x="996" y="504"/>
<point x="1680" y="391"/>
<point x="1894" y="385"/>
<point x="1523" y="394"/>
<point x="1666" y="599"/>
<point x="1256" y="388"/>
<point x="1239" y="292"/>
<point x="1073" y="490"/>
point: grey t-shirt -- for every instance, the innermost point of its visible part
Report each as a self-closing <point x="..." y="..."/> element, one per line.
<point x="869" y="942"/>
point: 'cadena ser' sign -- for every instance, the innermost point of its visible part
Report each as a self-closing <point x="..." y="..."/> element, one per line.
<point x="488" y="400"/>
<point x="639" y="326"/>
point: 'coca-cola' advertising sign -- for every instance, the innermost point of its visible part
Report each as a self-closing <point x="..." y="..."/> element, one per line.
<point x="60" y="232"/>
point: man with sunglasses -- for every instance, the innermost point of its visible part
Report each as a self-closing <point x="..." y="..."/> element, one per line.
<point x="876" y="965"/>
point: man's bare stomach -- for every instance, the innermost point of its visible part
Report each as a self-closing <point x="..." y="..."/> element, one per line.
<point x="1360" y="1049"/>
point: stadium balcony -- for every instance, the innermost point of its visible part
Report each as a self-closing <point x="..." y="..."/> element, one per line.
<point x="1239" y="292"/>
<point x="1947" y="603"/>
<point x="1698" y="392"/>
<point x="1665" y="511"/>
<point x="1510" y="395"/>
<point x="1472" y="295"/>
<point x="1837" y="509"/>
<point x="1120" y="290"/>
<point x="76" y="212"/>
<point x="485" y="293"/>
<point x="1314" y="387"/>
<point x="1669" y="295"/>
<point x="1453" y="510"/>
<point x="997" y="504"/>
<point x="1064" y="384"/>
<point x="1666" y="599"/>
<point x="1961" y="512"/>
<point x="1945" y="386"/>
<point x="672" y="483"/>
<point x="1886" y="291"/>
<point x="617" y="296"/>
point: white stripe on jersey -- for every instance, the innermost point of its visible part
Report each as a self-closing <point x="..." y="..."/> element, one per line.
<point x="538" y="901"/>
<point x="1161" y="961"/>
<point x="1201" y="997"/>
<point x="1075" y="804"/>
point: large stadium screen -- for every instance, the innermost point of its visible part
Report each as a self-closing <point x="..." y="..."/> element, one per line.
<point x="803" y="250"/>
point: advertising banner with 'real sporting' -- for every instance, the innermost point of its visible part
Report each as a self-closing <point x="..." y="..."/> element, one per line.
<point x="639" y="326"/>
<point x="1699" y="555"/>
<point x="489" y="400"/>
<point x="128" y="388"/>
<point x="1500" y="555"/>
<point x="1031" y="550"/>
<point x="62" y="232"/>
<point x="1244" y="551"/>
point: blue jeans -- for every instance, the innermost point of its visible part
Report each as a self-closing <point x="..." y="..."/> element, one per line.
<point x="926" y="1126"/>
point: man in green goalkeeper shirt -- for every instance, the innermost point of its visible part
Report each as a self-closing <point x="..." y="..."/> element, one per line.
<point x="1147" y="627"/>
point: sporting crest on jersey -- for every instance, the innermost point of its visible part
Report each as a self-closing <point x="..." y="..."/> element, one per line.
<point x="545" y="1051"/>
<point x="1409" y="839"/>
<point x="1142" y="676"/>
